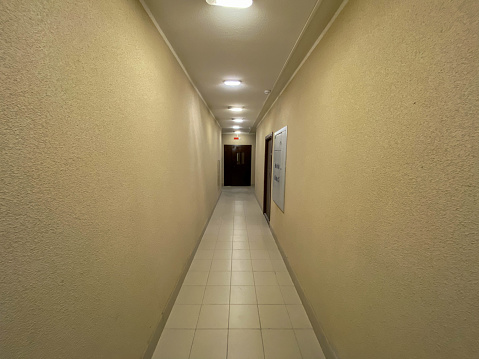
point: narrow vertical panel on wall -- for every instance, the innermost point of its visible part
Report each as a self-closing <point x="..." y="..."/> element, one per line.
<point x="279" y="166"/>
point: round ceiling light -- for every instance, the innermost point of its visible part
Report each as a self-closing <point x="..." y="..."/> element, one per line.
<point x="241" y="4"/>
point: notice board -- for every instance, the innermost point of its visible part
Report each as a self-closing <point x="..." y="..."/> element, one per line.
<point x="279" y="166"/>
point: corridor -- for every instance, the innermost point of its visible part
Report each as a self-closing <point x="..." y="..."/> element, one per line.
<point x="238" y="300"/>
<point x="352" y="122"/>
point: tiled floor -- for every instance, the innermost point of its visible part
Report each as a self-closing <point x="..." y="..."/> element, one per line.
<point x="238" y="300"/>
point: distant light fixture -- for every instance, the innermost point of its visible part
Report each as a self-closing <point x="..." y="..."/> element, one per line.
<point x="232" y="82"/>
<point x="242" y="4"/>
<point x="236" y="127"/>
<point x="238" y="132"/>
<point x="238" y="120"/>
<point x="235" y="108"/>
<point x="267" y="92"/>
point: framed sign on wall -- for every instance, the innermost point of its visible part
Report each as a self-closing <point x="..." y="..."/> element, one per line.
<point x="279" y="166"/>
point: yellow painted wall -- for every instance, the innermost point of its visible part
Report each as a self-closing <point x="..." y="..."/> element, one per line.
<point x="244" y="139"/>
<point x="108" y="162"/>
<point x="381" y="210"/>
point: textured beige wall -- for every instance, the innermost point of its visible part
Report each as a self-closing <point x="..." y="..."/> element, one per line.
<point x="381" y="221"/>
<point x="108" y="162"/>
<point x="244" y="139"/>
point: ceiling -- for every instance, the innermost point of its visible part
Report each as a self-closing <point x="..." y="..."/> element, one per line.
<point x="254" y="45"/>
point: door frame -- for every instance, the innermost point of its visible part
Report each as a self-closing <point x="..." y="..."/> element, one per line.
<point x="269" y="137"/>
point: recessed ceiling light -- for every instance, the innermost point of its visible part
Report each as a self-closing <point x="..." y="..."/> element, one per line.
<point x="235" y="108"/>
<point x="236" y="127"/>
<point x="242" y="4"/>
<point x="238" y="120"/>
<point x="232" y="82"/>
<point x="238" y="132"/>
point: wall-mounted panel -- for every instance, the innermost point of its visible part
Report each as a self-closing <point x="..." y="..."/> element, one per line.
<point x="279" y="166"/>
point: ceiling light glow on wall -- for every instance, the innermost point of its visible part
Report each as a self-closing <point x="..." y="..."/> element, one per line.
<point x="238" y="120"/>
<point x="242" y="4"/>
<point x="232" y="82"/>
<point x="235" y="108"/>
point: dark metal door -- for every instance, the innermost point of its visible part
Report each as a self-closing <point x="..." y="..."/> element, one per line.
<point x="237" y="165"/>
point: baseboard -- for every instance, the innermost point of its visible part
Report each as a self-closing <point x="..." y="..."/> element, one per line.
<point x="171" y="301"/>
<point x="328" y="350"/>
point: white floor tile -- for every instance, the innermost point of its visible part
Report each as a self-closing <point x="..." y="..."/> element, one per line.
<point x="209" y="344"/>
<point x="221" y="265"/>
<point x="262" y="265"/>
<point x="217" y="294"/>
<point x="242" y="265"/>
<point x="240" y="238"/>
<point x="240" y="245"/>
<point x="222" y="254"/>
<point x="183" y="317"/>
<point x="242" y="278"/>
<point x="219" y="278"/>
<point x="259" y="254"/>
<point x="241" y="294"/>
<point x="244" y="316"/>
<point x="213" y="317"/>
<point x="257" y="245"/>
<point x="265" y="278"/>
<point x="241" y="253"/>
<point x="280" y="344"/>
<point x="225" y="237"/>
<point x="274" y="317"/>
<point x="269" y="294"/>
<point x="240" y="233"/>
<point x="245" y="344"/>
<point x="224" y="245"/>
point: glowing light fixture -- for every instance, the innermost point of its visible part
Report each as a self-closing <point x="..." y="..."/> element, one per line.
<point x="236" y="127"/>
<point x="238" y="120"/>
<point x="238" y="132"/>
<point x="242" y="4"/>
<point x="232" y="82"/>
<point x="235" y="108"/>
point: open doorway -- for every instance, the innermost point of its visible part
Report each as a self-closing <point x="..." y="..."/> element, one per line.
<point x="237" y="161"/>
<point x="268" y="167"/>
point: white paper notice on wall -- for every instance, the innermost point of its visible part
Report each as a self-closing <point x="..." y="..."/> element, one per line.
<point x="279" y="166"/>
